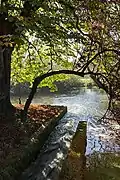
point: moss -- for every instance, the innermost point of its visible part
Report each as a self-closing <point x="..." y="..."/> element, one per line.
<point x="74" y="165"/>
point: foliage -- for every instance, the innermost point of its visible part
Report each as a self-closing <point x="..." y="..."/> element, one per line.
<point x="74" y="81"/>
<point x="27" y="64"/>
<point x="20" y="142"/>
<point x="57" y="34"/>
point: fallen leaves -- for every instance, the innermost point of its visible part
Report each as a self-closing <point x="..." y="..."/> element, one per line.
<point x="14" y="135"/>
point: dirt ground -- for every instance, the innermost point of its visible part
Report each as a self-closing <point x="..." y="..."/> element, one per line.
<point x="15" y="135"/>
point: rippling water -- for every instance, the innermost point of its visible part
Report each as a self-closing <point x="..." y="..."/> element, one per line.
<point x="102" y="137"/>
<point x="90" y="105"/>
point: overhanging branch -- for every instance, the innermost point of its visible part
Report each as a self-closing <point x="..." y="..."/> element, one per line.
<point x="96" y="55"/>
<point x="42" y="77"/>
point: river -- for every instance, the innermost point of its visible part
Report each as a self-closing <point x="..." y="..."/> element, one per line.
<point x="90" y="105"/>
<point x="84" y="104"/>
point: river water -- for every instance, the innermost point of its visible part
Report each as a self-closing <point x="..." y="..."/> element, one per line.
<point x="83" y="104"/>
<point x="90" y="105"/>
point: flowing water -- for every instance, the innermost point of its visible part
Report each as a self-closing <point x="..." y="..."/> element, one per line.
<point x="83" y="105"/>
<point x="90" y="105"/>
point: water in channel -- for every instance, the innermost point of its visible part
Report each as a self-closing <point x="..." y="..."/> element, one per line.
<point x="84" y="104"/>
<point x="90" y="105"/>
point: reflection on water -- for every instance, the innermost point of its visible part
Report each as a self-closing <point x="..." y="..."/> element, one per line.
<point x="102" y="137"/>
<point x="90" y="105"/>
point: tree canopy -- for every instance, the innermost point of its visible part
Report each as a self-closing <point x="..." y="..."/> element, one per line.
<point x="80" y="36"/>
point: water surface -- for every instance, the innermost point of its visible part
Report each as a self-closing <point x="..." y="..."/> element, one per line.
<point x="90" y="105"/>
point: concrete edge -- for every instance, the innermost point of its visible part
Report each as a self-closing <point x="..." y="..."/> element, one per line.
<point x="31" y="150"/>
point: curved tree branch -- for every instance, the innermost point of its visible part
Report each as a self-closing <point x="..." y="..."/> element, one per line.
<point x="96" y="55"/>
<point x="42" y="77"/>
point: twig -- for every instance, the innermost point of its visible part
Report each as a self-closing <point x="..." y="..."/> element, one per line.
<point x="34" y="48"/>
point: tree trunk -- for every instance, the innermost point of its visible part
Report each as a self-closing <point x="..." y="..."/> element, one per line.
<point x="6" y="29"/>
<point x="5" y="69"/>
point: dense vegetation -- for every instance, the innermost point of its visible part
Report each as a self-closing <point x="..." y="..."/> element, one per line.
<point x="44" y="38"/>
<point x="40" y="42"/>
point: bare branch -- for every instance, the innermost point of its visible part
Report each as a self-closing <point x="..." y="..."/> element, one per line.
<point x="30" y="43"/>
<point x="96" y="55"/>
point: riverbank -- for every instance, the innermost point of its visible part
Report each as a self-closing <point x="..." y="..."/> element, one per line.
<point x="21" y="141"/>
<point x="60" y="87"/>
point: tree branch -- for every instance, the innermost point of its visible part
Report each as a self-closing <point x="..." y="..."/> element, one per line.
<point x="42" y="77"/>
<point x="73" y="9"/>
<point x="96" y="55"/>
<point x="29" y="7"/>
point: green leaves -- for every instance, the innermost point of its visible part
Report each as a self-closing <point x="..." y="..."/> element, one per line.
<point x="58" y="34"/>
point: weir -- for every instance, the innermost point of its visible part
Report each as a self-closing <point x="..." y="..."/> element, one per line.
<point x="49" y="162"/>
<point x="89" y="105"/>
<point x="75" y="163"/>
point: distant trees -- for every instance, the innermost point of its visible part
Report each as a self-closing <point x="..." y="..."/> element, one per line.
<point x="39" y="37"/>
